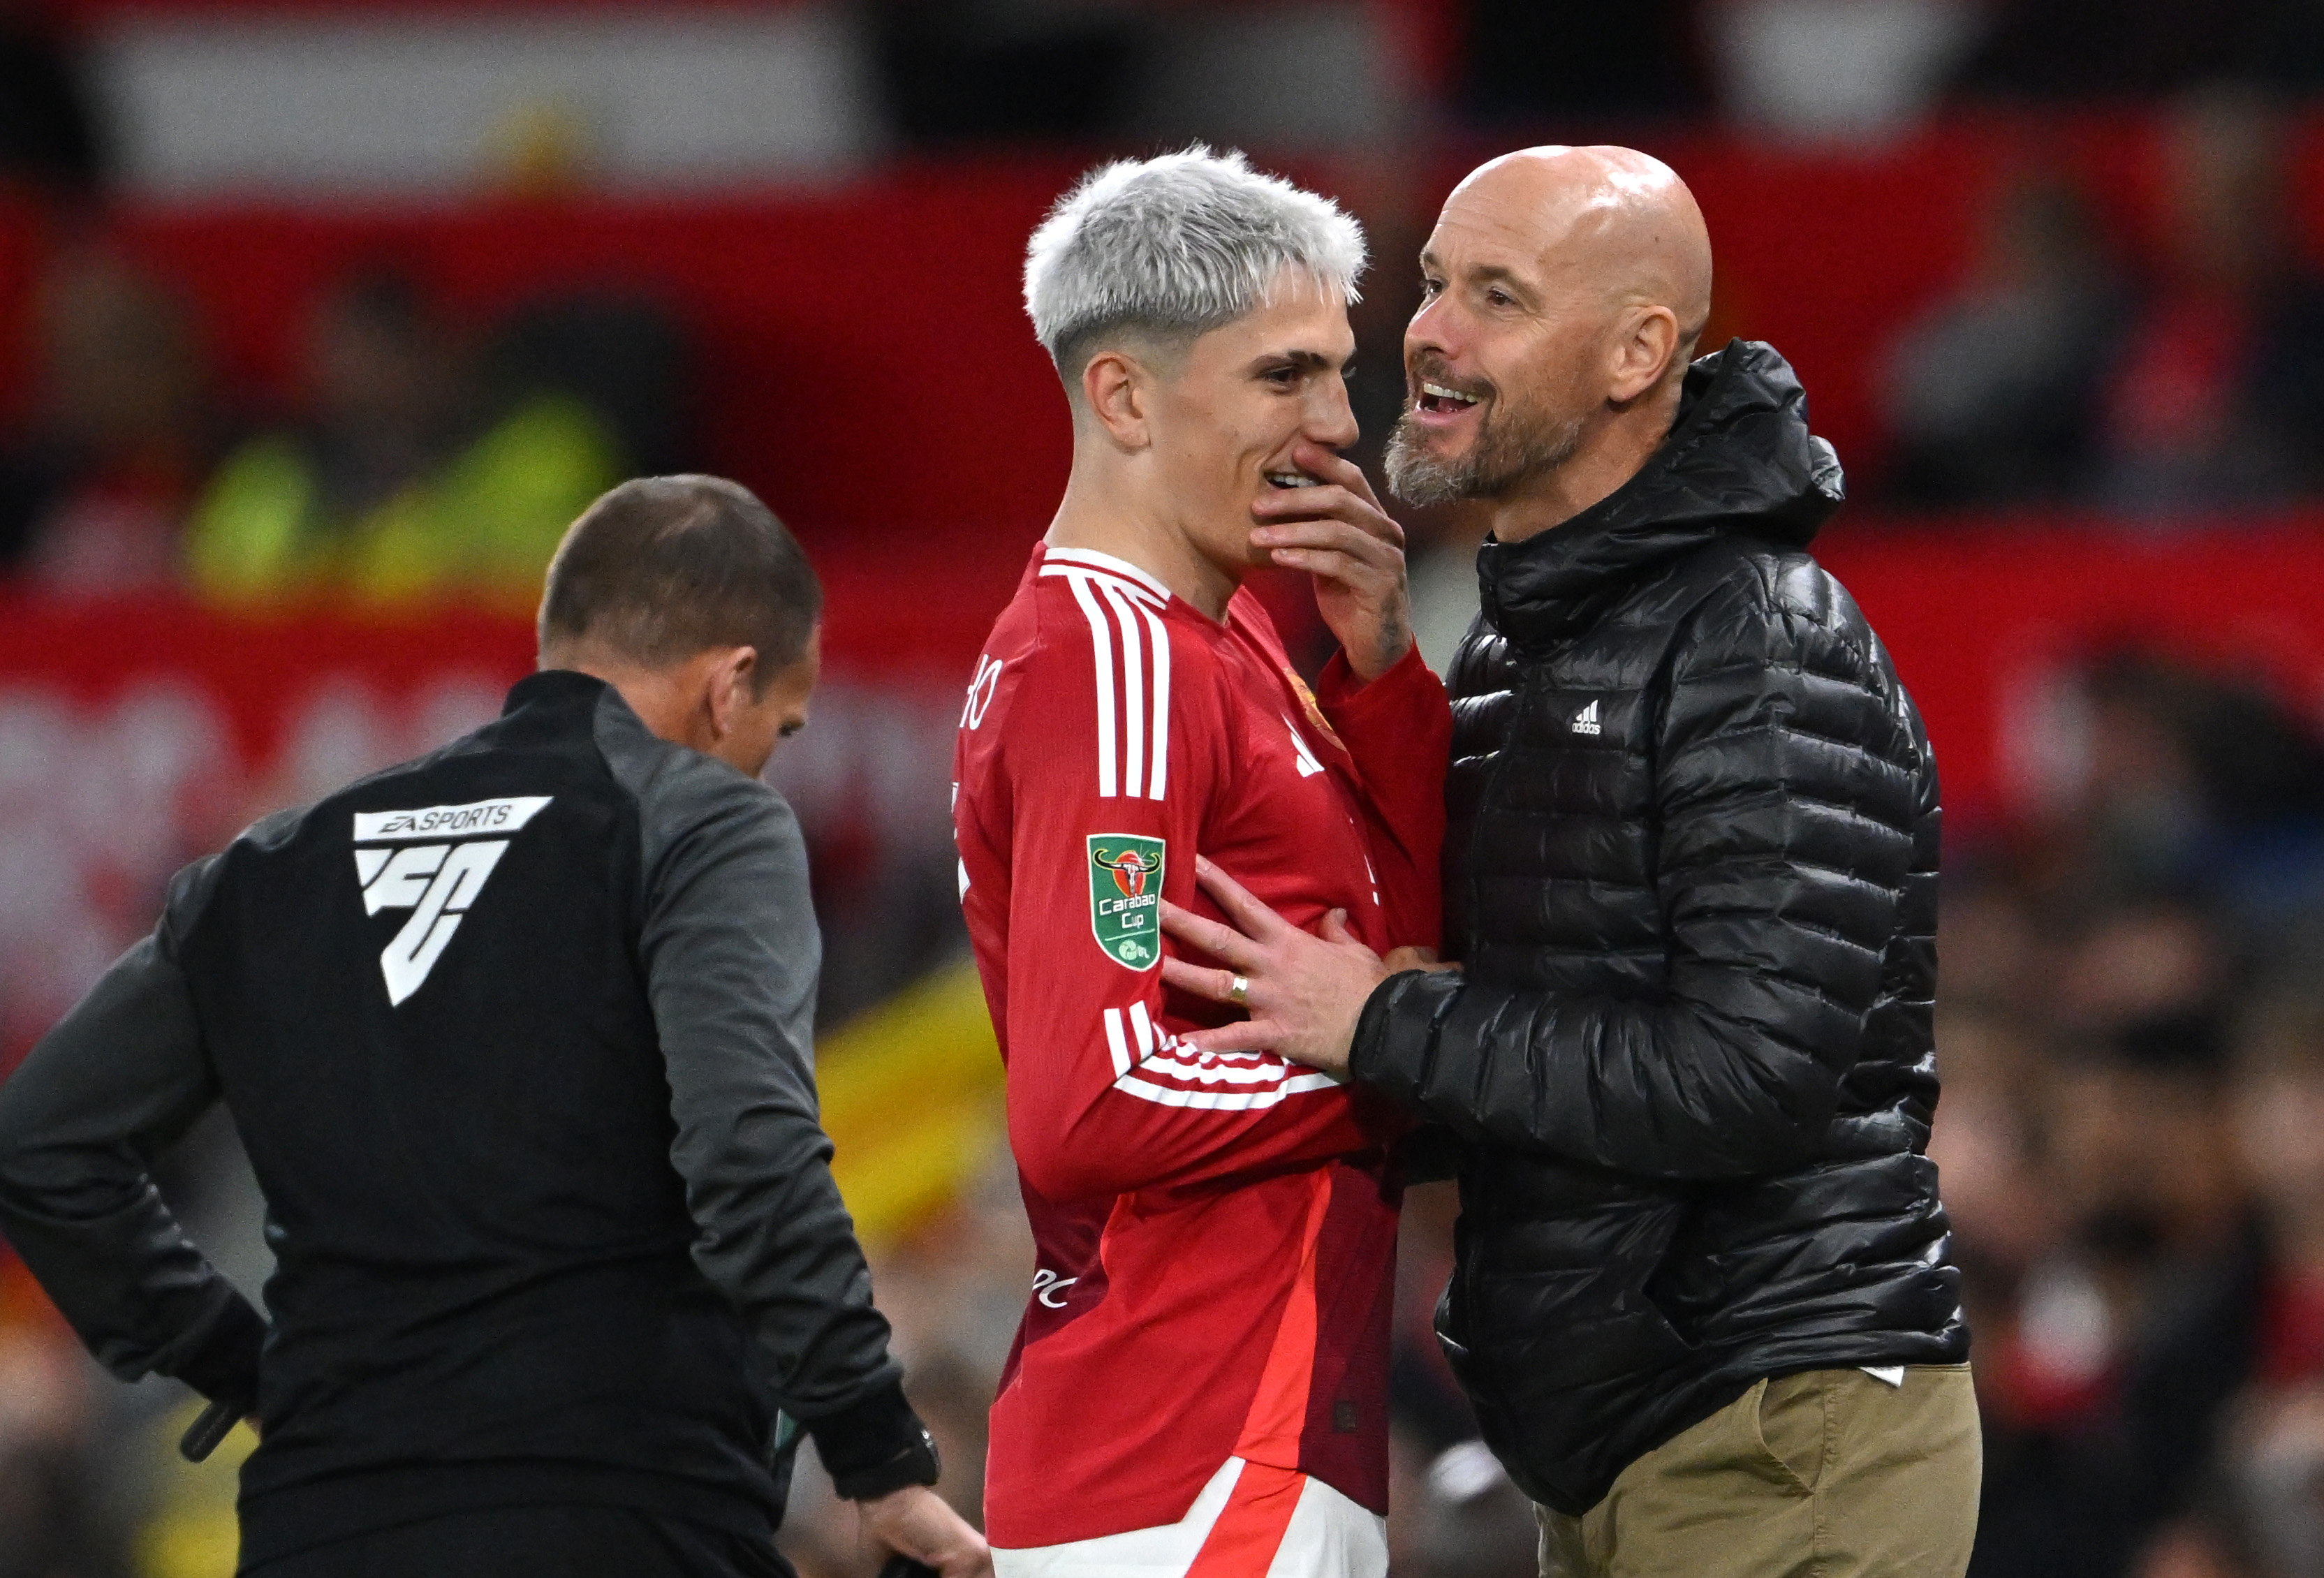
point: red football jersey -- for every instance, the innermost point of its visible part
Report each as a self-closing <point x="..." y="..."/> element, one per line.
<point x="1216" y="1235"/>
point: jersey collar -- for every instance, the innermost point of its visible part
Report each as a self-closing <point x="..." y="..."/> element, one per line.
<point x="1090" y="559"/>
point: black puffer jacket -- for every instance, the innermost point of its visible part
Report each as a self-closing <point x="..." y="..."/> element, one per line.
<point x="1692" y="873"/>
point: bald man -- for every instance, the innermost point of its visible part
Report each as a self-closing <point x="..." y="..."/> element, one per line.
<point x="1703" y="1303"/>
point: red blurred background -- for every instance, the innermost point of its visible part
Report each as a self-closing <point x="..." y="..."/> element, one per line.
<point x="2048" y="268"/>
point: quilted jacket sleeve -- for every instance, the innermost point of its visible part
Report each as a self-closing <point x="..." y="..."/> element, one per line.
<point x="1786" y="796"/>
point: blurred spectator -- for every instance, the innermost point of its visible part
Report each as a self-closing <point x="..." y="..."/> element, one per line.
<point x="1987" y="1146"/>
<point x="125" y="430"/>
<point x="621" y="355"/>
<point x="1990" y="395"/>
<point x="48" y="124"/>
<point x="2127" y="1192"/>
<point x="2262" y="1323"/>
<point x="2217" y="398"/>
<point x="2211" y="1454"/>
<point x="2188" y="784"/>
<point x="405" y="482"/>
<point x="2132" y="1184"/>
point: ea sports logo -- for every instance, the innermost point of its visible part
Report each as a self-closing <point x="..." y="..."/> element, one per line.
<point x="437" y="882"/>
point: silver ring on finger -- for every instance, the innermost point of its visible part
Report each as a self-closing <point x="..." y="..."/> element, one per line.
<point x="1239" y="992"/>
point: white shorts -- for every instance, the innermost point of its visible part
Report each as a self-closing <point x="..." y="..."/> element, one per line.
<point x="1250" y="1521"/>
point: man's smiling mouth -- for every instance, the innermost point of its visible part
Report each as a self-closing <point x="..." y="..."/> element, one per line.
<point x="1439" y="401"/>
<point x="1292" y="479"/>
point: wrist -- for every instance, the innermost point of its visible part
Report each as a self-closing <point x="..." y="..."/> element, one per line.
<point x="888" y="1503"/>
<point x="875" y="1446"/>
<point x="1385" y="652"/>
<point x="915" y="1468"/>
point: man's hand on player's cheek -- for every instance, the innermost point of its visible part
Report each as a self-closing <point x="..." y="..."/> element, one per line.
<point x="1304" y="994"/>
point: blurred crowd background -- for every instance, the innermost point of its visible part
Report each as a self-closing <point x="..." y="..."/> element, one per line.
<point x="320" y="318"/>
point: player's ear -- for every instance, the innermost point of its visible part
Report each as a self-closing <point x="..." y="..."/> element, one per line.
<point x="1116" y="390"/>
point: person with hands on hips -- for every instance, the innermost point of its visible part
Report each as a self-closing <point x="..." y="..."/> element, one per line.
<point x="520" y="1039"/>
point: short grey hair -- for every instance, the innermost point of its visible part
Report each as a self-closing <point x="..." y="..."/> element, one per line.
<point x="1177" y="246"/>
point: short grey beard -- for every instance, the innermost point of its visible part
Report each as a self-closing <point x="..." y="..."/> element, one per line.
<point x="1496" y="461"/>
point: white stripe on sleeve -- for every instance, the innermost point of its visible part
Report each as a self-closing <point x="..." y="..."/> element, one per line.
<point x="1164" y="1071"/>
<point x="1133" y="693"/>
<point x="1102" y="645"/>
<point x="1132" y="674"/>
<point x="1114" y="1042"/>
<point x="1161" y="746"/>
<point x="1222" y="1101"/>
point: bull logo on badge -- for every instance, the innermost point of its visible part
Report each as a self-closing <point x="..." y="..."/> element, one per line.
<point x="1126" y="897"/>
<point x="1131" y="868"/>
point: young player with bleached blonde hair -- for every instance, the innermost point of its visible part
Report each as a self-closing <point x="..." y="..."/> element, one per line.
<point x="1200" y="1384"/>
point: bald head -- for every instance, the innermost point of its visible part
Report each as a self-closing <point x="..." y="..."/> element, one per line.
<point x="1567" y="288"/>
<point x="1604" y="220"/>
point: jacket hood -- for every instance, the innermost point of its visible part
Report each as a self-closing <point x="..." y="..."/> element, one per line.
<point x="1739" y="460"/>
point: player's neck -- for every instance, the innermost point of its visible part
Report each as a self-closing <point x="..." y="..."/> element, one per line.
<point x="1111" y="524"/>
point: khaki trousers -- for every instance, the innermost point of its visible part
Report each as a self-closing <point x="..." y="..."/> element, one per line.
<point x="1832" y="1474"/>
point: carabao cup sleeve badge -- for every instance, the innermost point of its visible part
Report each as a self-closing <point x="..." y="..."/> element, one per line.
<point x="1126" y="897"/>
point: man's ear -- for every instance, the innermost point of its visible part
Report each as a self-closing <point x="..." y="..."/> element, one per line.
<point x="1642" y="353"/>
<point x="1116" y="389"/>
<point x="728" y="689"/>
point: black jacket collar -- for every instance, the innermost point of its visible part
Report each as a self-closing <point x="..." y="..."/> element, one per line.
<point x="1738" y="459"/>
<point x="552" y="686"/>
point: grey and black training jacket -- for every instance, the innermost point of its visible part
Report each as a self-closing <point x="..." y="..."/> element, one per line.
<point x="517" y="1038"/>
